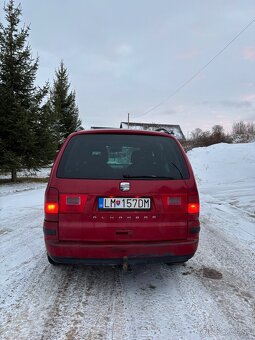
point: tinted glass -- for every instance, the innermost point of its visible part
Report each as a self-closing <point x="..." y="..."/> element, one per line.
<point x="117" y="156"/>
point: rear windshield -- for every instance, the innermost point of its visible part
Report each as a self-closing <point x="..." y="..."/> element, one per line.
<point x="119" y="156"/>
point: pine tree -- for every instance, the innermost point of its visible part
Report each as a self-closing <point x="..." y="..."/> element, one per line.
<point x="21" y="111"/>
<point x="62" y="105"/>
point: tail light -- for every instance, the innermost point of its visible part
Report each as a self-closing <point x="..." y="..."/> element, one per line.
<point x="193" y="208"/>
<point x="72" y="203"/>
<point x="193" y="205"/>
<point x="51" y="208"/>
<point x="51" y="205"/>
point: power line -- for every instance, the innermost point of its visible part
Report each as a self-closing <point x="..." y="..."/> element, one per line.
<point x="189" y="80"/>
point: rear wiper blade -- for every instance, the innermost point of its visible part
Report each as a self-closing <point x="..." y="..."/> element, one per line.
<point x="148" y="176"/>
<point x="176" y="167"/>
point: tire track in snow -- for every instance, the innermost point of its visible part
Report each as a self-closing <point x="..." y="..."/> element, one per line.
<point x="64" y="302"/>
<point x="152" y="298"/>
<point x="234" y="294"/>
<point x="87" y="306"/>
<point x="26" y="304"/>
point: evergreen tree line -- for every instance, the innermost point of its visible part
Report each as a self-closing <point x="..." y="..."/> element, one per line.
<point x="34" y="121"/>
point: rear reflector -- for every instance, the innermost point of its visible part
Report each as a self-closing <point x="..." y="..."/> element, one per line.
<point x="172" y="201"/>
<point x="72" y="203"/>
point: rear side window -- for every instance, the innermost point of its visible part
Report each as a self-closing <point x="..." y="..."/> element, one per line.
<point x="119" y="156"/>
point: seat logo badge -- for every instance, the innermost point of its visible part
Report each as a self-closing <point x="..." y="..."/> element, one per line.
<point x="124" y="186"/>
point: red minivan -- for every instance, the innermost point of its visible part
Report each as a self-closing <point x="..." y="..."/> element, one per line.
<point x="121" y="196"/>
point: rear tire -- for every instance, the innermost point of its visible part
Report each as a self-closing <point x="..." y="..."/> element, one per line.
<point x="51" y="261"/>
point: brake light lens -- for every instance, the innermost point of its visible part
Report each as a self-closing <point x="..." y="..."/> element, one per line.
<point x="51" y="208"/>
<point x="51" y="205"/>
<point x="193" y="208"/>
<point x="193" y="205"/>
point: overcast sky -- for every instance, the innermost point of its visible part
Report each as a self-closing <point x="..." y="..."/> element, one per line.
<point x="129" y="56"/>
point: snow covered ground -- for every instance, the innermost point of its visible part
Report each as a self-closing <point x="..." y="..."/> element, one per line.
<point x="41" y="173"/>
<point x="211" y="297"/>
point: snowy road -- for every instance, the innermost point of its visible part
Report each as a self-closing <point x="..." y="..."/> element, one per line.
<point x="211" y="297"/>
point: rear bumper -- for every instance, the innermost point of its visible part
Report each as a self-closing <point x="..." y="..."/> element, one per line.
<point x="111" y="254"/>
<point x="120" y="261"/>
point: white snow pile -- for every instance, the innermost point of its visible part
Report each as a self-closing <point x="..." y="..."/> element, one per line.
<point x="224" y="163"/>
<point x="225" y="176"/>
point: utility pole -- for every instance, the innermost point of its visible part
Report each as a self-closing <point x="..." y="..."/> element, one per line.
<point x="128" y="120"/>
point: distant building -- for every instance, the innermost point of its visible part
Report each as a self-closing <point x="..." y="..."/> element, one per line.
<point x="175" y="130"/>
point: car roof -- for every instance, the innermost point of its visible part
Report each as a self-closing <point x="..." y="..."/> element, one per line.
<point x="123" y="132"/>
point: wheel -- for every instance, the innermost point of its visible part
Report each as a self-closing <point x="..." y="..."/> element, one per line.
<point x="51" y="261"/>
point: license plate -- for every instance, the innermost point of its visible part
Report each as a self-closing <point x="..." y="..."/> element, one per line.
<point x="124" y="203"/>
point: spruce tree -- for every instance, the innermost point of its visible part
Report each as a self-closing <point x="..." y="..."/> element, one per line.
<point x="63" y="106"/>
<point x="22" y="116"/>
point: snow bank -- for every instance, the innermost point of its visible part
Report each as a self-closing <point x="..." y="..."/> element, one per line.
<point x="41" y="173"/>
<point x="224" y="163"/>
<point x="226" y="182"/>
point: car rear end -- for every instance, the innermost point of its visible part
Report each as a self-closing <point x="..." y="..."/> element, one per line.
<point x="118" y="196"/>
